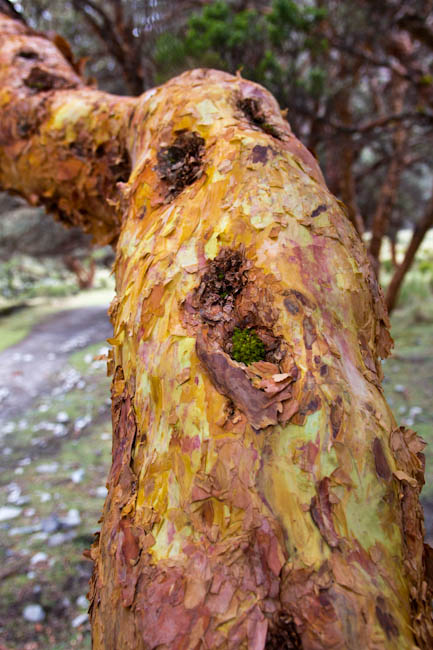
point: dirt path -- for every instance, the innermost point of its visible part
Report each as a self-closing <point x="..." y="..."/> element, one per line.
<point x="27" y="368"/>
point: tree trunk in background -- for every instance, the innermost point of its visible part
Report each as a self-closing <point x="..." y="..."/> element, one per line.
<point x="341" y="154"/>
<point x="389" y="189"/>
<point x="85" y="276"/>
<point x="399" y="274"/>
<point x="270" y="505"/>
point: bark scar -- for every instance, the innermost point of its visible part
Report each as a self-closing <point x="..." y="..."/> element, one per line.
<point x="321" y="514"/>
<point x="231" y="380"/>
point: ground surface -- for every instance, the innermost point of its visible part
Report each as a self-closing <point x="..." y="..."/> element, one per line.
<point x="55" y="445"/>
<point x="28" y="368"/>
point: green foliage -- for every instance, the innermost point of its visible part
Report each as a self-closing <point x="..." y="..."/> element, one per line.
<point x="23" y="278"/>
<point x="426" y="267"/>
<point x="247" y="347"/>
<point x="288" y="17"/>
<point x="263" y="45"/>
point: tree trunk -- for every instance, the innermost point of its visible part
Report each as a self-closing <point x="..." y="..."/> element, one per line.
<point x="273" y="504"/>
<point x="341" y="152"/>
<point x="389" y="189"/>
<point x="418" y="235"/>
<point x="85" y="276"/>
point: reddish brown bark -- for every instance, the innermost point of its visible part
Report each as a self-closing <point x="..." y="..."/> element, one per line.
<point x="417" y="238"/>
<point x="341" y="155"/>
<point x="85" y="276"/>
<point x="390" y="185"/>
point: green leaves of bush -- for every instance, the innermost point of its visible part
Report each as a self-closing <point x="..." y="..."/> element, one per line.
<point x="264" y="45"/>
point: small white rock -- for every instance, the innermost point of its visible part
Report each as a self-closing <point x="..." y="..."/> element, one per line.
<point x="9" y="512"/>
<point x="57" y="539"/>
<point x="39" y="557"/>
<point x="399" y="388"/>
<point x="81" y="423"/>
<point x="60" y="430"/>
<point x="101" y="491"/>
<point x="17" y="498"/>
<point x="72" y="518"/>
<point x="47" y="468"/>
<point x="82" y="602"/>
<point x="14" y="496"/>
<point x="33" y="613"/>
<point x="62" y="416"/>
<point x="79" y="620"/>
<point x="77" y="476"/>
<point x="39" y="537"/>
<point x="4" y="392"/>
<point x="24" y="530"/>
<point x="414" y="411"/>
<point x="61" y="538"/>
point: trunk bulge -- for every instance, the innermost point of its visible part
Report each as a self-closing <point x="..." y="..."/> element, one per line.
<point x="260" y="493"/>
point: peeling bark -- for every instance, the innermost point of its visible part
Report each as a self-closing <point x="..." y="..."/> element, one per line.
<point x="249" y="506"/>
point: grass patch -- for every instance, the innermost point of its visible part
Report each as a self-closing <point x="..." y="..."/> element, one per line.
<point x="16" y="326"/>
<point x="59" y="583"/>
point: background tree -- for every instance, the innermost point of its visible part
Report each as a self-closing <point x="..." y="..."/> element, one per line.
<point x="30" y="232"/>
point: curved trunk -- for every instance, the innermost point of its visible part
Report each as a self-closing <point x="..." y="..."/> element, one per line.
<point x="273" y="504"/>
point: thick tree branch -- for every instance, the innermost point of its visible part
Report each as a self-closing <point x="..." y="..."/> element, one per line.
<point x="58" y="136"/>
<point x="385" y="120"/>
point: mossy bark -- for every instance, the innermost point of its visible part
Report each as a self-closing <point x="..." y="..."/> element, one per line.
<point x="271" y="505"/>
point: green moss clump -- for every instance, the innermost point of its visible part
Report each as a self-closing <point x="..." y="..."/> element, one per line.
<point x="247" y="347"/>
